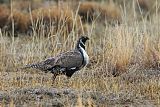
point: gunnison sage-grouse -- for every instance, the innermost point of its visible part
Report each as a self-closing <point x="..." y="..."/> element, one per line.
<point x="66" y="63"/>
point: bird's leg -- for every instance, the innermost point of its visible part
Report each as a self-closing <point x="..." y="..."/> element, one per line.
<point x="53" y="78"/>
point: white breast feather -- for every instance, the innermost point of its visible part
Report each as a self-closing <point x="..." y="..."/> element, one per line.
<point x="86" y="57"/>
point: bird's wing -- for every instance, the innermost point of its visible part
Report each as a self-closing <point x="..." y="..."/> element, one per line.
<point x="69" y="59"/>
<point x="43" y="65"/>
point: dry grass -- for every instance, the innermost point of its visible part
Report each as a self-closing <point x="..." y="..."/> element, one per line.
<point x="18" y="21"/>
<point x="91" y="11"/>
<point x="129" y="51"/>
<point x="4" y="13"/>
<point x="55" y="19"/>
<point x="13" y="19"/>
<point x="48" y="20"/>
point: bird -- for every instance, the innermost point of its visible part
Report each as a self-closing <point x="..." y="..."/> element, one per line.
<point x="66" y="63"/>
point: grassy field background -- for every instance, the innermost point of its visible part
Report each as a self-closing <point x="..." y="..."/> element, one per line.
<point x="124" y="51"/>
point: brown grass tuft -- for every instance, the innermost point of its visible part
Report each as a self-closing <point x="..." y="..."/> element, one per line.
<point x="27" y="5"/>
<point x="54" y="19"/>
<point x="4" y="15"/>
<point x="110" y="12"/>
<point x="147" y="7"/>
<point x="87" y="11"/>
<point x="90" y="11"/>
<point x="18" y="21"/>
<point x="144" y="4"/>
<point x="15" y="19"/>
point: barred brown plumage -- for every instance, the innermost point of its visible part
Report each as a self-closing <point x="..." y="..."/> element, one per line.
<point x="66" y="63"/>
<point x="44" y="65"/>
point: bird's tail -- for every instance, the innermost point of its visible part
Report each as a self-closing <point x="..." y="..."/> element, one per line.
<point x="31" y="66"/>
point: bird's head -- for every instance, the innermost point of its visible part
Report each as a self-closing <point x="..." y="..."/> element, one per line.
<point x="81" y="42"/>
<point x="83" y="39"/>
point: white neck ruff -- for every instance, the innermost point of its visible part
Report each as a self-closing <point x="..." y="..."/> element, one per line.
<point x="85" y="56"/>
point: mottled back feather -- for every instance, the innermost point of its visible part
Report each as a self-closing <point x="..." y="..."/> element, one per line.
<point x="44" y="65"/>
<point x="68" y="60"/>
